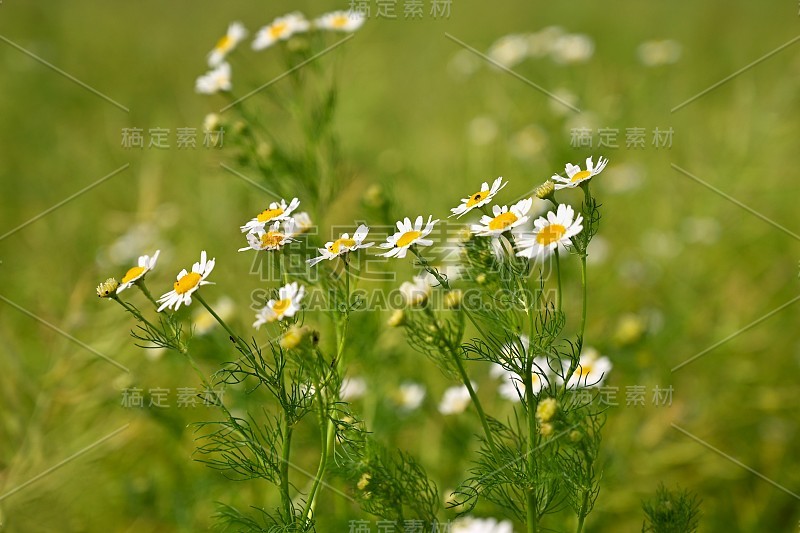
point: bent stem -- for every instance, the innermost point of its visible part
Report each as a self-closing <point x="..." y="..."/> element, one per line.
<point x="453" y="350"/>
<point x="234" y="337"/>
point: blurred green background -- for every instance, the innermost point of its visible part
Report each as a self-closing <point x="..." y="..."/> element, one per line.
<point x="678" y="267"/>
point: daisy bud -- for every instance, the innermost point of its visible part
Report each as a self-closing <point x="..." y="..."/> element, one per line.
<point x="397" y="319"/>
<point x="546" y="190"/>
<point x="293" y="337"/>
<point x="373" y="196"/>
<point x="108" y="289"/>
<point x="575" y="435"/>
<point x="452" y="300"/>
<point x="211" y="122"/>
<point x="480" y="279"/>
<point x="364" y="481"/>
<point x="546" y="430"/>
<point x="546" y="410"/>
<point x="416" y="293"/>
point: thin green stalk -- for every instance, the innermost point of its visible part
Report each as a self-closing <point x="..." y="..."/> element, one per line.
<point x="146" y="291"/>
<point x="533" y="517"/>
<point x="582" y="512"/>
<point x="584" y="285"/>
<point x="222" y="323"/>
<point x="284" y="473"/>
<point x="327" y="428"/>
<point x="558" y="280"/>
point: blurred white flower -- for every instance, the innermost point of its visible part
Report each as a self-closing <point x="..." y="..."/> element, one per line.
<point x="598" y="249"/>
<point x="657" y="53"/>
<point x="348" y="21"/>
<point x="236" y="32"/>
<point x="541" y="43"/>
<point x="218" y="79"/>
<point x="482" y="130"/>
<point x="463" y="64"/>
<point x="470" y="524"/>
<point x="416" y="293"/>
<point x="410" y="395"/>
<point x="528" y="142"/>
<point x="623" y="178"/>
<point x="352" y="388"/>
<point x="203" y="321"/>
<point x="572" y="48"/>
<point x="280" y="29"/>
<point x="509" y="50"/>
<point x="455" y="400"/>
<point x="701" y="230"/>
<point x="592" y="369"/>
<point x="563" y="96"/>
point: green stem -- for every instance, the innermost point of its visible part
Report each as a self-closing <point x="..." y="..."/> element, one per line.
<point x="146" y="291"/>
<point x="558" y="280"/>
<point x="327" y="428"/>
<point x="284" y="474"/>
<point x="244" y="347"/>
<point x="582" y="512"/>
<point x="533" y="517"/>
<point x="584" y="285"/>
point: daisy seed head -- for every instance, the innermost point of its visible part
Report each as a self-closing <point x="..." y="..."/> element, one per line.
<point x="546" y="190"/>
<point x="546" y="410"/>
<point x="108" y="289"/>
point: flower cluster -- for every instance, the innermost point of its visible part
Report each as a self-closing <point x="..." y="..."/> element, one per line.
<point x="281" y="29"/>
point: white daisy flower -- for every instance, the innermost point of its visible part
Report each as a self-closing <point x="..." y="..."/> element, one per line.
<point x="348" y="21"/>
<point x="410" y="396"/>
<point x="408" y="235"/>
<point x="504" y="219"/>
<point x="187" y="283"/>
<point x="287" y="304"/>
<point x="215" y="80"/>
<point x="416" y="293"/>
<point x="273" y="239"/>
<point x="236" y="32"/>
<point x="550" y="233"/>
<point x="279" y="30"/>
<point x="575" y="176"/>
<point x="274" y="211"/>
<point x="455" y="400"/>
<point x="343" y="245"/>
<point x="592" y="369"/>
<point x="144" y="265"/>
<point x="480" y="198"/>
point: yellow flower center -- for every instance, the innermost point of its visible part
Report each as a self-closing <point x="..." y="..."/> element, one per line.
<point x="278" y="29"/>
<point x="268" y="214"/>
<point x="583" y="174"/>
<point x="550" y="234"/>
<point x="408" y="238"/>
<point x="502" y="221"/>
<point x="132" y="274"/>
<point x="339" y="243"/>
<point x="271" y="239"/>
<point x="224" y="44"/>
<point x="339" y="21"/>
<point x="281" y="306"/>
<point x="477" y="198"/>
<point x="585" y="369"/>
<point x="187" y="282"/>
